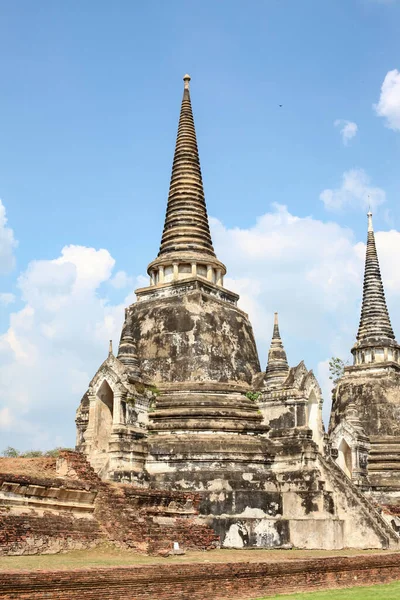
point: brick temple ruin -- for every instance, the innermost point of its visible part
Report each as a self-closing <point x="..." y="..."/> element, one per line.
<point x="192" y="442"/>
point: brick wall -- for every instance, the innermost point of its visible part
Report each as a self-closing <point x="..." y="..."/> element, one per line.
<point x="233" y="581"/>
<point x="31" y="521"/>
<point x="48" y="533"/>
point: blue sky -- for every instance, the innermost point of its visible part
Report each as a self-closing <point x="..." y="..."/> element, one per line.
<point x="89" y="107"/>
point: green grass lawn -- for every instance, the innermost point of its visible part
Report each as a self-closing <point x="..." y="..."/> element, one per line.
<point x="390" y="591"/>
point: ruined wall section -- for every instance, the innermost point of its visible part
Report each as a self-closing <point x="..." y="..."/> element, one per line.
<point x="46" y="515"/>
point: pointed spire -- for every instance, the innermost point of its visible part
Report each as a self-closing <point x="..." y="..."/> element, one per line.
<point x="186" y="247"/>
<point x="370" y="225"/>
<point x="186" y="225"/>
<point x="277" y="368"/>
<point x="127" y="347"/>
<point x="110" y="349"/>
<point x="375" y="326"/>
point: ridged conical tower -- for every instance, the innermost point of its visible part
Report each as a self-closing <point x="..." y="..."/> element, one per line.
<point x="366" y="399"/>
<point x="375" y="338"/>
<point x="186" y="246"/>
<point x="186" y="223"/>
<point x="277" y="367"/>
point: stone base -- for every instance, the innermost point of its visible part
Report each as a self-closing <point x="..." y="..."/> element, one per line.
<point x="266" y="493"/>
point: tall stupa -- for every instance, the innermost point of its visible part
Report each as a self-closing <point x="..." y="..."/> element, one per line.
<point x="185" y="406"/>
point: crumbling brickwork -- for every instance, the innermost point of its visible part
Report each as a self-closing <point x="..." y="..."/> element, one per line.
<point x="33" y="533"/>
<point x="47" y="515"/>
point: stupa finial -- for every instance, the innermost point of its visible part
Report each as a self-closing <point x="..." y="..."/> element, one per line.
<point x="369" y="215"/>
<point x="277" y="368"/>
<point x="375" y="328"/>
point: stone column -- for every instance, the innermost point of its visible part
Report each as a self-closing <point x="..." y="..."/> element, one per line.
<point x="117" y="409"/>
<point x="385" y="354"/>
<point x="194" y="269"/>
<point x="161" y="274"/>
<point x="209" y="273"/>
<point x="88" y="436"/>
<point x="176" y="271"/>
<point x="219" y="273"/>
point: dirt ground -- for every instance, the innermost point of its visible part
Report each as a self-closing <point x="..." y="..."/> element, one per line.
<point x="106" y="555"/>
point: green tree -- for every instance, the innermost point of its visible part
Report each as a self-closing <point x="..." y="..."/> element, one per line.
<point x="336" y="369"/>
<point x="10" y="452"/>
<point x="55" y="453"/>
<point x="32" y="454"/>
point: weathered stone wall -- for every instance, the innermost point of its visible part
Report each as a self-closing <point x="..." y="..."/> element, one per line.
<point x="194" y="337"/>
<point x="376" y="396"/>
<point x="291" y="497"/>
<point x="366" y="415"/>
<point x="228" y="581"/>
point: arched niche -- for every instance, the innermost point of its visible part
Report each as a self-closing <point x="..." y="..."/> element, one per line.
<point x="344" y="458"/>
<point x="104" y="421"/>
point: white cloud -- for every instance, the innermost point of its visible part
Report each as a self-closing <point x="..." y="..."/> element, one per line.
<point x="323" y="375"/>
<point x="6" y="298"/>
<point x="388" y="244"/>
<point x="354" y="192"/>
<point x="348" y="129"/>
<point x="5" y="418"/>
<point x="55" y="343"/>
<point x="389" y="101"/>
<point x="121" y="280"/>
<point x="286" y="260"/>
<point x="7" y="243"/>
<point x="311" y="272"/>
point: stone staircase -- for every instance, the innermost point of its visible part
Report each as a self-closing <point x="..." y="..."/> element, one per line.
<point x="344" y="484"/>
